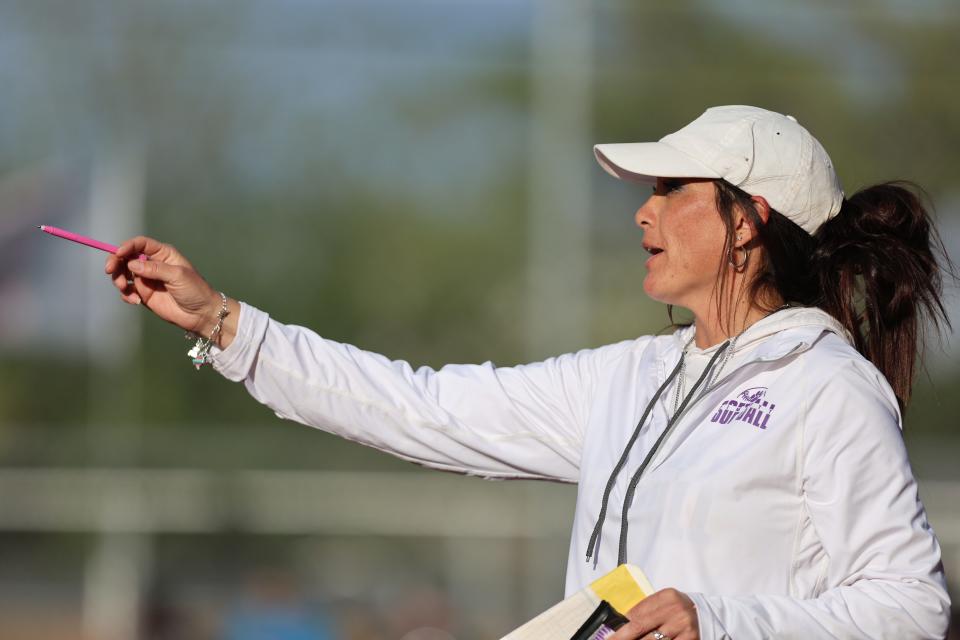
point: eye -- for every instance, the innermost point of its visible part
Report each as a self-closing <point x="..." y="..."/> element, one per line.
<point x="666" y="186"/>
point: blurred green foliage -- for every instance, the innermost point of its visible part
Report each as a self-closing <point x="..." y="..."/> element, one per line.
<point x="394" y="216"/>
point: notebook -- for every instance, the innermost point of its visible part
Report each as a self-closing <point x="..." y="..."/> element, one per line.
<point x="570" y="619"/>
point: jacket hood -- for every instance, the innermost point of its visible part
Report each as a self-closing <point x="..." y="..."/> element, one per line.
<point x="796" y="324"/>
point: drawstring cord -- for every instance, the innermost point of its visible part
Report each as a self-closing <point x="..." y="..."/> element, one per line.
<point x="632" y="487"/>
<point x="595" y="536"/>
<point x="628" y="499"/>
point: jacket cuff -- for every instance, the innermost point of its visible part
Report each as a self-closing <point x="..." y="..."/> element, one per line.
<point x="710" y="628"/>
<point x="235" y="362"/>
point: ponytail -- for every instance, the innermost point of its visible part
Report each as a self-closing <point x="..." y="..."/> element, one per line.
<point x="875" y="267"/>
<point x="878" y="263"/>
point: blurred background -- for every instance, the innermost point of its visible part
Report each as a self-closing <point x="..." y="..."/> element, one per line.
<point x="414" y="178"/>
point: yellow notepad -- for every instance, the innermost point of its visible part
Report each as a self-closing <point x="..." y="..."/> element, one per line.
<point x="623" y="588"/>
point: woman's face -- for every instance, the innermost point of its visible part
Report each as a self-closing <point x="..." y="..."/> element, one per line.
<point x="683" y="231"/>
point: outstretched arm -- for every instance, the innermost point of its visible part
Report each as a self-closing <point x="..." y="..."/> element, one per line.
<point x="526" y="421"/>
<point x="504" y="422"/>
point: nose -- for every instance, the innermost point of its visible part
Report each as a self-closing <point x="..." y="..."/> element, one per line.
<point x="645" y="215"/>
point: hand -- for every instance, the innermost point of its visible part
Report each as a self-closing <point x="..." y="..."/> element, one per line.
<point x="168" y="285"/>
<point x="668" y="611"/>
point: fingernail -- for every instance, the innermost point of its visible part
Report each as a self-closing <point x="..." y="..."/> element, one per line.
<point x="135" y="265"/>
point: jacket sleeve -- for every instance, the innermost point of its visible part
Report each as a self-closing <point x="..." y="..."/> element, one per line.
<point x="884" y="578"/>
<point x="498" y="422"/>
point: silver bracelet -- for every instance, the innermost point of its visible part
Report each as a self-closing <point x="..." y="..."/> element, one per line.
<point x="200" y="353"/>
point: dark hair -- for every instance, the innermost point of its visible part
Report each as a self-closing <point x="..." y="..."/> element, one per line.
<point x="875" y="267"/>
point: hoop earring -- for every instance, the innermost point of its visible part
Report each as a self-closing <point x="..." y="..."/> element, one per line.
<point x="738" y="267"/>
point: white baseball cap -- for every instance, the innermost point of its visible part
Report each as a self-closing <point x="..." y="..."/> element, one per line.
<point x="762" y="152"/>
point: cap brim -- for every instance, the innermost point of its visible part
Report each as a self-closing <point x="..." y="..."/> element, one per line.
<point x="647" y="161"/>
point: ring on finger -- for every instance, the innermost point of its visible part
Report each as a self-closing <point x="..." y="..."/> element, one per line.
<point x="659" y="636"/>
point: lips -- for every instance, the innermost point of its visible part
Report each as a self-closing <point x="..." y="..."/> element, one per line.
<point x="653" y="250"/>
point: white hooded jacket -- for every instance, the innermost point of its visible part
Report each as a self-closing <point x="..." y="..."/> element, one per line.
<point x="782" y="501"/>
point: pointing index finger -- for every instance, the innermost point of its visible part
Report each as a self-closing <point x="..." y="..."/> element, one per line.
<point x="139" y="244"/>
<point x="149" y="249"/>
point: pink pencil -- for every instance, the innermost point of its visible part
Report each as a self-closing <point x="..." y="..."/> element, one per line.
<point x="76" y="237"/>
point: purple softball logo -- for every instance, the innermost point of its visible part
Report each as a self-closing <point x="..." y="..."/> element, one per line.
<point x="748" y="406"/>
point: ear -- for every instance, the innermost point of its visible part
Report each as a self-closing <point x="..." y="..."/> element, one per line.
<point x="744" y="229"/>
<point x="762" y="207"/>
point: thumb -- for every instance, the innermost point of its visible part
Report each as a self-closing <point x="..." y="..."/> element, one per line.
<point x="154" y="270"/>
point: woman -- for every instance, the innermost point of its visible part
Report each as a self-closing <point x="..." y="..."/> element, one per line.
<point x="751" y="462"/>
